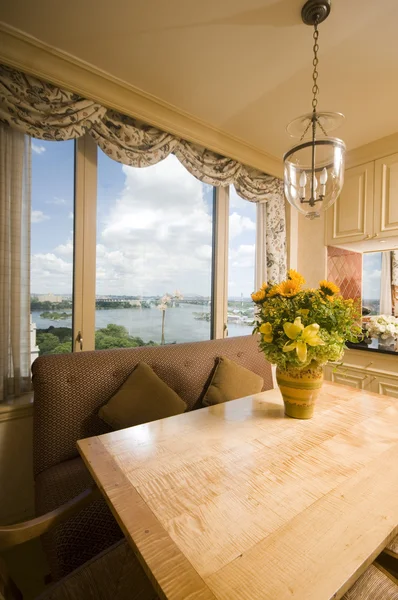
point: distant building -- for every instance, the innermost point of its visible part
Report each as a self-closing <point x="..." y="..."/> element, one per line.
<point x="49" y="298"/>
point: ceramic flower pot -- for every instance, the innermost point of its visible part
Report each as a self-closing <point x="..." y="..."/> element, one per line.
<point x="300" y="389"/>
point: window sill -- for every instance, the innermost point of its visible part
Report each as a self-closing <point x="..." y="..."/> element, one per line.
<point x="17" y="408"/>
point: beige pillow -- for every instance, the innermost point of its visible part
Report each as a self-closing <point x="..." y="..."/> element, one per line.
<point x="142" y="398"/>
<point x="231" y="381"/>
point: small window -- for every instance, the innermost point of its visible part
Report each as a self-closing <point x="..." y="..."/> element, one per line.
<point x="371" y="283"/>
<point x="51" y="272"/>
<point x="241" y="264"/>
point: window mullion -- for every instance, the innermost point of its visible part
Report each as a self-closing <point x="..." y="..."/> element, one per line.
<point x="84" y="279"/>
<point x="220" y="262"/>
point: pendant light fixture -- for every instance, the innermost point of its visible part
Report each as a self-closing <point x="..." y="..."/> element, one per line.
<point x="314" y="167"/>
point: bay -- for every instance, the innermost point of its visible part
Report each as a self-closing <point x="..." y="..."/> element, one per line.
<point x="146" y="323"/>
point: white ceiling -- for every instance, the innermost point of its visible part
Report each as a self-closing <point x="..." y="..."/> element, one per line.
<point x="243" y="66"/>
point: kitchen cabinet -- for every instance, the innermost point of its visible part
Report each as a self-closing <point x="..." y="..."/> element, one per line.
<point x="370" y="371"/>
<point x="386" y="197"/>
<point x="350" y="219"/>
<point x="367" y="208"/>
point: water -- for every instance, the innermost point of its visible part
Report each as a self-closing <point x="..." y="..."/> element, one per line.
<point x="146" y="323"/>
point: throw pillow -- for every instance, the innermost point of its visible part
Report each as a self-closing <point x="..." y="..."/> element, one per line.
<point x="142" y="398"/>
<point x="231" y="381"/>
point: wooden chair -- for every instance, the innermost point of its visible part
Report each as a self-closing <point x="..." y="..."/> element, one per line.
<point x="115" y="574"/>
<point x="375" y="584"/>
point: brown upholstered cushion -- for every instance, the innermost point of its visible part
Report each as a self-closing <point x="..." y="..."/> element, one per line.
<point x="142" y="398"/>
<point x="231" y="381"/>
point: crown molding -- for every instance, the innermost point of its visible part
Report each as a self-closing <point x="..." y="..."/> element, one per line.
<point x="374" y="150"/>
<point x="26" y="53"/>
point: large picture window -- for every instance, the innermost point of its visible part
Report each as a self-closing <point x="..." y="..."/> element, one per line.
<point x="52" y="213"/>
<point x="154" y="255"/>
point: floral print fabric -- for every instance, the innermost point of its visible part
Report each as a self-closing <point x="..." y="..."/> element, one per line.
<point x="42" y="110"/>
<point x="45" y="111"/>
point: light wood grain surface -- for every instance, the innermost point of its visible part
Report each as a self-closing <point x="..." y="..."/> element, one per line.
<point x="237" y="501"/>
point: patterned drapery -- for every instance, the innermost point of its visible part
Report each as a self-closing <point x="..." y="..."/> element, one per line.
<point x="47" y="112"/>
<point x="394" y="268"/>
<point x="275" y="239"/>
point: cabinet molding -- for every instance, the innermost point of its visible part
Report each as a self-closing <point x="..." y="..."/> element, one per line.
<point x="351" y="217"/>
<point x="386" y="196"/>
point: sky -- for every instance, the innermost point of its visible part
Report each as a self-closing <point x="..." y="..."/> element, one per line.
<point x="371" y="275"/>
<point x="154" y="228"/>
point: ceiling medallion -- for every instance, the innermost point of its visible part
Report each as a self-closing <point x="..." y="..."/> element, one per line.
<point x="314" y="167"/>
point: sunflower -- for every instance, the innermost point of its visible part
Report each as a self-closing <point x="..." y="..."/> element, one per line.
<point x="295" y="276"/>
<point x="258" y="296"/>
<point x="328" y="288"/>
<point x="274" y="291"/>
<point x="288" y="288"/>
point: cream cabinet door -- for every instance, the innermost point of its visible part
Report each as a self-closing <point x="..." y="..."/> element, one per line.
<point x="350" y="219"/>
<point x="386" y="197"/>
<point x="349" y="376"/>
<point x="387" y="386"/>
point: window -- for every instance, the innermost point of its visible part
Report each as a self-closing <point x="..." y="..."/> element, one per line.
<point x="241" y="264"/>
<point x="147" y="277"/>
<point x="154" y="255"/>
<point x="52" y="246"/>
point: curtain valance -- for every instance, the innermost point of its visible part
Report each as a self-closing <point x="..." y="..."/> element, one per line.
<point x="47" y="112"/>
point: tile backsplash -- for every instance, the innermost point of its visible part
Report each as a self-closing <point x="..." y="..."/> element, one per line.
<point x="345" y="270"/>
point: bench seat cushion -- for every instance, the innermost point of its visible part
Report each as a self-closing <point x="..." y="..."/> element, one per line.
<point x="82" y="537"/>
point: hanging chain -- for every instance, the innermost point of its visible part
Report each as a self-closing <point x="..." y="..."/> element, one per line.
<point x="315" y="87"/>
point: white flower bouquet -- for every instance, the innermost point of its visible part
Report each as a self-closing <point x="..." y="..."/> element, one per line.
<point x="383" y="327"/>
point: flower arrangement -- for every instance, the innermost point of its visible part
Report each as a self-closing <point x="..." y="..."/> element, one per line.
<point x="382" y="326"/>
<point x="303" y="326"/>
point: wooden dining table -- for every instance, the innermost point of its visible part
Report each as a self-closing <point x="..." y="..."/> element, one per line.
<point x="239" y="502"/>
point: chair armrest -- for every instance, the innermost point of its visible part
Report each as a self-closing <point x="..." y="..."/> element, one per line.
<point x="12" y="535"/>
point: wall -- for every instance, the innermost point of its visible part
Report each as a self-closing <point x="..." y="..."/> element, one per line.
<point x="16" y="468"/>
<point x="345" y="270"/>
<point x="311" y="251"/>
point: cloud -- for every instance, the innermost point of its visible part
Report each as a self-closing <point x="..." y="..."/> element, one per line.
<point x="38" y="149"/>
<point x="241" y="272"/>
<point x="157" y="235"/>
<point x="57" y="201"/>
<point x="154" y="236"/>
<point x="238" y="224"/>
<point x="65" y="249"/>
<point x="49" y="273"/>
<point x="38" y="216"/>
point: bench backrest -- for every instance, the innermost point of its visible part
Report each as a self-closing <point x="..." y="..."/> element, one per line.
<point x="69" y="389"/>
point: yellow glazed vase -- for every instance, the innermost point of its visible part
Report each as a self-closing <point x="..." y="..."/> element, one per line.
<point x="300" y="389"/>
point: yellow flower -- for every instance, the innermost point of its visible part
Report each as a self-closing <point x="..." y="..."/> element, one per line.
<point x="303" y="311"/>
<point x="266" y="331"/>
<point x="294" y="276"/>
<point x="328" y="287"/>
<point x="274" y="291"/>
<point x="289" y="288"/>
<point x="302" y="337"/>
<point x="264" y="286"/>
<point x="258" y="296"/>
